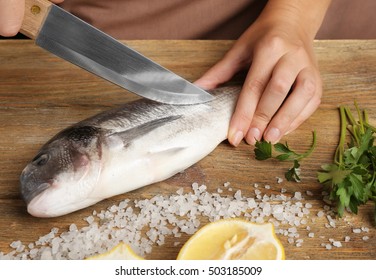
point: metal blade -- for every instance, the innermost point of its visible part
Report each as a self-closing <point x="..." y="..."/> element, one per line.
<point x="72" y="39"/>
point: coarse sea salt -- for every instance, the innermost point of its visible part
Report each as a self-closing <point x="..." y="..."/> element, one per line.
<point x="148" y="222"/>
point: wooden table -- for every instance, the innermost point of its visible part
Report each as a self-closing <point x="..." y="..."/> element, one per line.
<point x="41" y="94"/>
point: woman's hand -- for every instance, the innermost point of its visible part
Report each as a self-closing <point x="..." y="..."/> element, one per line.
<point x="283" y="86"/>
<point x="11" y="16"/>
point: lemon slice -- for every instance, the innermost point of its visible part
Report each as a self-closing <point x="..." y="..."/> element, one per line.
<point x="121" y="251"/>
<point x="231" y="239"/>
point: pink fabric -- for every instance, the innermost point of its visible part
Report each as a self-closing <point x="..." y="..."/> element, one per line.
<point x="168" y="19"/>
<point x="210" y="19"/>
<point x="349" y="19"/>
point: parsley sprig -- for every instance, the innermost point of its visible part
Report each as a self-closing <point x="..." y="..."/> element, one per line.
<point x="263" y="151"/>
<point x="351" y="177"/>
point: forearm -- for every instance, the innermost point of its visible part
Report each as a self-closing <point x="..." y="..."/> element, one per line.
<point x="308" y="15"/>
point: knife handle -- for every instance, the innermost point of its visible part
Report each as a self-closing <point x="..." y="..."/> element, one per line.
<point x="36" y="12"/>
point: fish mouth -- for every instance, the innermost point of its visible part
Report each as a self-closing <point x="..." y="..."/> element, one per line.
<point x="37" y="208"/>
<point x="29" y="192"/>
<point x="42" y="206"/>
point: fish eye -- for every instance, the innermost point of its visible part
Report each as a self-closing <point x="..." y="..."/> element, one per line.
<point x="41" y="159"/>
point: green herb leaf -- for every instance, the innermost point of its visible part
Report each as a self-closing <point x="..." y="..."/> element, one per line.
<point x="333" y="174"/>
<point x="279" y="147"/>
<point x="344" y="199"/>
<point x="351" y="177"/>
<point x="283" y="157"/>
<point x="293" y="173"/>
<point x="263" y="150"/>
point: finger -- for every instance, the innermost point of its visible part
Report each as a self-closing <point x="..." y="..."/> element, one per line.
<point x="301" y="103"/>
<point x="224" y="70"/>
<point x="305" y="113"/>
<point x="278" y="87"/>
<point x="11" y="15"/>
<point x="253" y="87"/>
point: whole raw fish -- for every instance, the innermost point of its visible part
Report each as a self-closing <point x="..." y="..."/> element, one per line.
<point x="120" y="150"/>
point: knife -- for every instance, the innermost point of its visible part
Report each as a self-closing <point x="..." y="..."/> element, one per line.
<point x="76" y="41"/>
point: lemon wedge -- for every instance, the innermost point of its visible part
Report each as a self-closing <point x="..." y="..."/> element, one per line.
<point x="121" y="251"/>
<point x="230" y="239"/>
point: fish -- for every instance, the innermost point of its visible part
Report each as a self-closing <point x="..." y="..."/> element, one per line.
<point x="122" y="149"/>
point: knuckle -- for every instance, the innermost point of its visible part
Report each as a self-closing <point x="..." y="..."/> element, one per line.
<point x="274" y="43"/>
<point x="285" y="120"/>
<point x="254" y="86"/>
<point x="243" y="117"/>
<point x="309" y="88"/>
<point x="262" y="117"/>
<point x="280" y="86"/>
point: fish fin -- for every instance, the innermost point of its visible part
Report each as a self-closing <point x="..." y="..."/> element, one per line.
<point x="133" y="133"/>
<point x="169" y="152"/>
<point x="160" y="158"/>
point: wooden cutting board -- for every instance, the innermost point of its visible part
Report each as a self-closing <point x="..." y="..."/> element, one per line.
<point x="41" y="94"/>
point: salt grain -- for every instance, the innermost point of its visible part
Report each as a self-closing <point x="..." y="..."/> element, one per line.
<point x="309" y="193"/>
<point x="72" y="227"/>
<point x="357" y="230"/>
<point x="298" y="196"/>
<point x="308" y="205"/>
<point x="320" y="214"/>
<point x="16" y="244"/>
<point x="365" y="229"/>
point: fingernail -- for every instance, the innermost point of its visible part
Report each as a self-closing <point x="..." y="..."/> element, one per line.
<point x="273" y="135"/>
<point x="253" y="135"/>
<point x="238" y="137"/>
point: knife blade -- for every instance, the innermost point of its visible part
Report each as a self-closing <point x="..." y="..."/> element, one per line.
<point x="76" y="41"/>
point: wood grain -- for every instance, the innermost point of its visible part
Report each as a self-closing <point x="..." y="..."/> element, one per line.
<point x="41" y="94"/>
<point x="36" y="12"/>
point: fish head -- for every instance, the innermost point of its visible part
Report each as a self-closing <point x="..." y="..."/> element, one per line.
<point x="60" y="179"/>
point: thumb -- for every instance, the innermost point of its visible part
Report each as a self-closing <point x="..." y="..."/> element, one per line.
<point x="11" y="15"/>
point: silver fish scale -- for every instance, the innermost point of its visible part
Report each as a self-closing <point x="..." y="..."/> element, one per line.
<point x="140" y="111"/>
